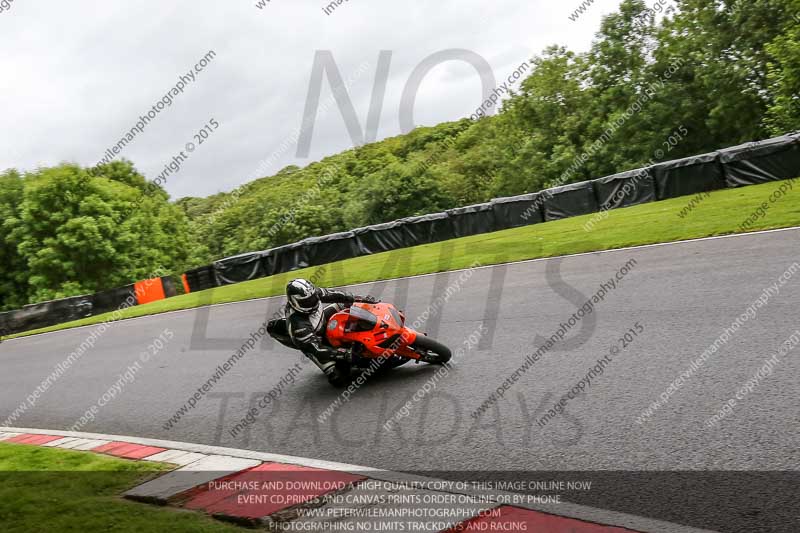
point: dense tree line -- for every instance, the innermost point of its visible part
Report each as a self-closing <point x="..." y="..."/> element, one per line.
<point x="69" y="231"/>
<point x="724" y="71"/>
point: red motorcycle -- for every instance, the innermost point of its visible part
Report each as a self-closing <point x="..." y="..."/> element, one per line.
<point x="375" y="335"/>
<point x="378" y="331"/>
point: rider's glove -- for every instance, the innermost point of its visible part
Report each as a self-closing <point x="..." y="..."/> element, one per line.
<point x="368" y="299"/>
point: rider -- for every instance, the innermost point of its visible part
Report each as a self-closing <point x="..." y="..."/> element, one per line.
<point x="306" y="319"/>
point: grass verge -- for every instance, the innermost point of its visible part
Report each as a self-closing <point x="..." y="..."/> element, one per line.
<point x="47" y="489"/>
<point x="717" y="213"/>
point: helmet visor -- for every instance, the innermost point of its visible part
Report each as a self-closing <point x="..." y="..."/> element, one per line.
<point x="304" y="303"/>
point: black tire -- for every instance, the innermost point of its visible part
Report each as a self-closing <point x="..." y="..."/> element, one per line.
<point x="432" y="352"/>
<point x="340" y="377"/>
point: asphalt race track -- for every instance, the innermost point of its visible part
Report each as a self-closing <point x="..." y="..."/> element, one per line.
<point x="671" y="467"/>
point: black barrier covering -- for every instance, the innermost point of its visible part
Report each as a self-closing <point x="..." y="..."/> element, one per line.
<point x="268" y="261"/>
<point x="111" y="300"/>
<point x="471" y="220"/>
<point x="331" y="248"/>
<point x="761" y="162"/>
<point x="289" y="257"/>
<point x="5" y="327"/>
<point x="382" y="237"/>
<point x="570" y="200"/>
<point x="690" y="175"/>
<point x="44" y="314"/>
<point x="427" y="228"/>
<point x="201" y="278"/>
<point x="625" y="189"/>
<point x="769" y="160"/>
<point x="238" y="268"/>
<point x="515" y="211"/>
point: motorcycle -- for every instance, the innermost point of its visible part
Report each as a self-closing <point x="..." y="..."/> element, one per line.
<point x="376" y="335"/>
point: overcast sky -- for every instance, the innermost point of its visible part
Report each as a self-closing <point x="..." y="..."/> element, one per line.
<point x="77" y="75"/>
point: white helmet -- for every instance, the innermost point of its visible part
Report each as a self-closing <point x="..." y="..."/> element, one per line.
<point x="302" y="295"/>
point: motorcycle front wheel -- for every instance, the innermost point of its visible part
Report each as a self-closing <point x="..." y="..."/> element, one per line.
<point x="432" y="351"/>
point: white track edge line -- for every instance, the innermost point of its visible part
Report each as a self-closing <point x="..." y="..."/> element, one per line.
<point x="521" y="261"/>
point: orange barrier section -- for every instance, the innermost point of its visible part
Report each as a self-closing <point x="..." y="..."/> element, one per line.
<point x="149" y="290"/>
<point x="185" y="284"/>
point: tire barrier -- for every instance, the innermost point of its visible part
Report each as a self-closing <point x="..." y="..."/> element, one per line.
<point x="380" y="237"/>
<point x="571" y="200"/>
<point x="186" y="288"/>
<point x="688" y="176"/>
<point x="625" y="189"/>
<point x="747" y="164"/>
<point x="330" y="248"/>
<point x="761" y="162"/>
<point x="230" y="270"/>
<point x="471" y="220"/>
<point x="44" y="314"/>
<point x="516" y="211"/>
<point x="152" y="290"/>
<point x="202" y="278"/>
<point x="107" y="301"/>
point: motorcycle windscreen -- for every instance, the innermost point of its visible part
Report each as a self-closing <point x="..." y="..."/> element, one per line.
<point x="397" y="317"/>
<point x="361" y="320"/>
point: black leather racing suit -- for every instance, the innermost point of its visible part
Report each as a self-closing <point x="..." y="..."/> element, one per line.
<point x="307" y="330"/>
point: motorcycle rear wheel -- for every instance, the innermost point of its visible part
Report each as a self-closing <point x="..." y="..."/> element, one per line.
<point x="432" y="351"/>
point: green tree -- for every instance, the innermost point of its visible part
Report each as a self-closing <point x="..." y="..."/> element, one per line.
<point x="783" y="76"/>
<point x="13" y="275"/>
<point x="76" y="232"/>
